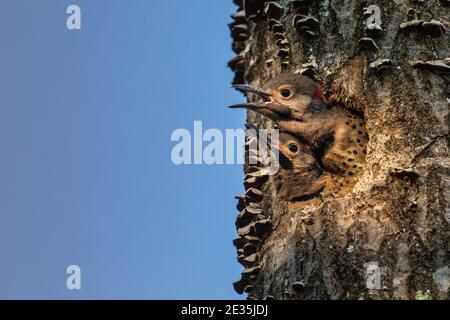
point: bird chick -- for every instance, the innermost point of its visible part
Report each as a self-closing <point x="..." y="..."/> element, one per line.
<point x="299" y="175"/>
<point x="296" y="104"/>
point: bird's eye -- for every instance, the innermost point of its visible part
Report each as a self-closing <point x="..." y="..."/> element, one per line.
<point x="285" y="93"/>
<point x="293" y="147"/>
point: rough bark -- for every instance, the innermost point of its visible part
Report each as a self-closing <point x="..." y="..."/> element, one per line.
<point x="397" y="216"/>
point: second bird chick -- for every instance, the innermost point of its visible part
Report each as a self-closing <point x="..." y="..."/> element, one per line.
<point x="299" y="175"/>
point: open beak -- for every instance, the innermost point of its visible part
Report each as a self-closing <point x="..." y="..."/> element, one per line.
<point x="250" y="106"/>
<point x="247" y="88"/>
<point x="272" y="110"/>
<point x="268" y="107"/>
<point x="254" y="106"/>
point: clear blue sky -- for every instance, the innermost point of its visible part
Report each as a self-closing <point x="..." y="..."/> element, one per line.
<point x="85" y="171"/>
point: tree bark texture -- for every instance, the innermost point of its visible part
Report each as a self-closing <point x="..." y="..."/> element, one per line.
<point x="394" y="222"/>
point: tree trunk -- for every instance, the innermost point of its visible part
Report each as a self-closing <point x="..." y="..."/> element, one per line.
<point x="388" y="237"/>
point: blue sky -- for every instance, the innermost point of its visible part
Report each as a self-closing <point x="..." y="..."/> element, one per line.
<point x="86" y="118"/>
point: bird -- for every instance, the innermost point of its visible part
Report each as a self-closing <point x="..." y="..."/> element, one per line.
<point x="299" y="175"/>
<point x="296" y="104"/>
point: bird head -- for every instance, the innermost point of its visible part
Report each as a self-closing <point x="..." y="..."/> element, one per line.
<point x="296" y="156"/>
<point x="287" y="96"/>
<point x="299" y="174"/>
